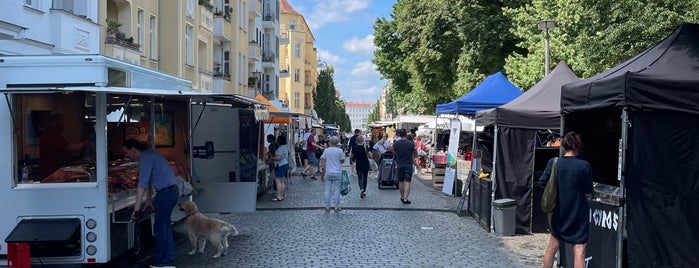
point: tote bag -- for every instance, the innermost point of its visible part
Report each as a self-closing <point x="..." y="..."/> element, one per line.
<point x="345" y="183"/>
<point x="550" y="196"/>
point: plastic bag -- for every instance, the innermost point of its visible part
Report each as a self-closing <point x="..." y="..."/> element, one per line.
<point x="372" y="165"/>
<point x="345" y="184"/>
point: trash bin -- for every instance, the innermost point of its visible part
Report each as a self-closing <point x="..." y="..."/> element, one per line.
<point x="505" y="216"/>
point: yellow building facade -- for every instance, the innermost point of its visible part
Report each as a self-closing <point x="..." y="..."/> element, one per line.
<point x="297" y="61"/>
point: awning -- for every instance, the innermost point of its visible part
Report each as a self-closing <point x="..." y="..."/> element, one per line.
<point x="276" y="116"/>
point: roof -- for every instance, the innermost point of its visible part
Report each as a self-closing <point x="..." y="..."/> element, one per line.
<point x="538" y="108"/>
<point x="665" y="77"/>
<point x="495" y="90"/>
<point x="286" y="8"/>
<point x="359" y="104"/>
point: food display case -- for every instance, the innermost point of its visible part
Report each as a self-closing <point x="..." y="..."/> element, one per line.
<point x="606" y="194"/>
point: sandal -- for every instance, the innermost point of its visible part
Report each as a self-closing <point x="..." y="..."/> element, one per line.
<point x="276" y="199"/>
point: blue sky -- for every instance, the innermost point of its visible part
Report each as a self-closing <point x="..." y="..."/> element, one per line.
<point x="345" y="40"/>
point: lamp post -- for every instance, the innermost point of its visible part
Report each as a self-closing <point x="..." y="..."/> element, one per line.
<point x="546" y="25"/>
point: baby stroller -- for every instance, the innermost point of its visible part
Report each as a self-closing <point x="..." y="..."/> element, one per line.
<point x="387" y="171"/>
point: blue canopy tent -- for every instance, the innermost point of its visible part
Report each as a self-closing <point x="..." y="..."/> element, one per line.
<point x="494" y="91"/>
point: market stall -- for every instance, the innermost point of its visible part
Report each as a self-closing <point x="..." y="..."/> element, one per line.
<point x="637" y="121"/>
<point x="493" y="91"/>
<point x="523" y="126"/>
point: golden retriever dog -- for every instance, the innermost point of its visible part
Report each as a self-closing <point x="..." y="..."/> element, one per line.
<point x="201" y="228"/>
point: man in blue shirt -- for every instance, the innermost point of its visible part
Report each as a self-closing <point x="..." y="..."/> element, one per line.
<point x="155" y="173"/>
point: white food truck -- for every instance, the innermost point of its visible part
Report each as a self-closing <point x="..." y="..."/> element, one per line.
<point x="66" y="188"/>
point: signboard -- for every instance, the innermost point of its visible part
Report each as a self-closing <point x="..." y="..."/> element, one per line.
<point x="389" y="116"/>
<point x="601" y="248"/>
<point x="452" y="151"/>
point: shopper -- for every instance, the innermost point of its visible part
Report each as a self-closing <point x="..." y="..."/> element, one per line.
<point x="311" y="147"/>
<point x="352" y="143"/>
<point x="271" y="148"/>
<point x="331" y="172"/>
<point x="404" y="156"/>
<point x="569" y="220"/>
<point x="155" y="173"/>
<point x="360" y="156"/>
<point x="281" y="163"/>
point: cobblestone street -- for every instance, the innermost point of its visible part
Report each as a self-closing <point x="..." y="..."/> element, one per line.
<point x="376" y="231"/>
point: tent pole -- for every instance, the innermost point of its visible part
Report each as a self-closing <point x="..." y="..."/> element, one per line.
<point x="622" y="185"/>
<point x="493" y="174"/>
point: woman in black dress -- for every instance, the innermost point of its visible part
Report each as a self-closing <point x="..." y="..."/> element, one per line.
<point x="569" y="220"/>
<point x="361" y="159"/>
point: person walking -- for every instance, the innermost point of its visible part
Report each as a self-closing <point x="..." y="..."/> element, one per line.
<point x="360" y="156"/>
<point x="311" y="147"/>
<point x="281" y="162"/>
<point x="271" y="148"/>
<point x="404" y="156"/>
<point x="154" y="172"/>
<point x="569" y="220"/>
<point x="331" y="172"/>
<point x="352" y="143"/>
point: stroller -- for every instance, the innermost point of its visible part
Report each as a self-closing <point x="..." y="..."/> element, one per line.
<point x="387" y="171"/>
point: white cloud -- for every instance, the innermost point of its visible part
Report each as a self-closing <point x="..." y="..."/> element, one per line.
<point x="331" y="59"/>
<point x="333" y="11"/>
<point x="364" y="69"/>
<point x="364" y="45"/>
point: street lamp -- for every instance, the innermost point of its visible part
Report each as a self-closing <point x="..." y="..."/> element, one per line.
<point x="546" y="25"/>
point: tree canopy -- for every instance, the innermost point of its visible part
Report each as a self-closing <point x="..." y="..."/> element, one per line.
<point x="434" y="51"/>
<point x="326" y="103"/>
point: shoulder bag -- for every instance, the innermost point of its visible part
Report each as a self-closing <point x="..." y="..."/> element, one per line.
<point x="549" y="198"/>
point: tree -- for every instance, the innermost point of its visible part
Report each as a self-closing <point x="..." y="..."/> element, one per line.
<point x="590" y="35"/>
<point x="327" y="105"/>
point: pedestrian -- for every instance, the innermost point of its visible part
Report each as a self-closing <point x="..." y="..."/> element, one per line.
<point x="421" y="150"/>
<point x="569" y="220"/>
<point x="281" y="163"/>
<point x="331" y="172"/>
<point x="271" y="148"/>
<point x="352" y="143"/>
<point x="360" y="156"/>
<point x="155" y="173"/>
<point x="323" y="142"/>
<point x="404" y="156"/>
<point x="311" y="147"/>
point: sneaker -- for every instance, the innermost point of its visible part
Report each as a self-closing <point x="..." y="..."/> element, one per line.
<point x="362" y="194"/>
<point x="406" y="201"/>
<point x="314" y="178"/>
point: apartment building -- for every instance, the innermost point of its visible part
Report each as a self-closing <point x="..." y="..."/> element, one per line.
<point x="358" y="114"/>
<point x="219" y="45"/>
<point x="39" y="27"/>
<point x="297" y="61"/>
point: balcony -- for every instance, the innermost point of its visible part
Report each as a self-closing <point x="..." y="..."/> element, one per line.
<point x="222" y="71"/>
<point x="268" y="19"/>
<point x="222" y="28"/>
<point x="254" y="9"/>
<point x="269" y="60"/>
<point x="122" y="50"/>
<point x="207" y="19"/>
<point x="284" y="73"/>
<point x="284" y="38"/>
<point x="254" y="52"/>
<point x="73" y="34"/>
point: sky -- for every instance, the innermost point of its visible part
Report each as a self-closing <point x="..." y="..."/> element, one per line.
<point x="344" y="35"/>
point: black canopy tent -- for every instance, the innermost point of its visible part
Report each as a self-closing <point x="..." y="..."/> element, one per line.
<point x="516" y="125"/>
<point x="650" y="105"/>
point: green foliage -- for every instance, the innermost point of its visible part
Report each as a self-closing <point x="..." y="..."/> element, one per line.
<point x="327" y="105"/>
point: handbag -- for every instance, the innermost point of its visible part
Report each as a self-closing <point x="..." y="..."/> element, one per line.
<point x="549" y="198"/>
<point x="372" y="165"/>
<point x="345" y="184"/>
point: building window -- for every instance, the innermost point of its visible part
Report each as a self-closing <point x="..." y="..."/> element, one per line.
<point x="139" y="27"/>
<point x="292" y="24"/>
<point x="297" y="50"/>
<point x="297" y="100"/>
<point x="297" y="75"/>
<point x="188" y="44"/>
<point x="151" y="36"/>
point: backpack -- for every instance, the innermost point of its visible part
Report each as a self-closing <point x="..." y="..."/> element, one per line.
<point x="550" y="196"/>
<point x="345" y="184"/>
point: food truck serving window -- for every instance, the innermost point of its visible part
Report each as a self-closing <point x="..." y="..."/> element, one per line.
<point x="55" y="139"/>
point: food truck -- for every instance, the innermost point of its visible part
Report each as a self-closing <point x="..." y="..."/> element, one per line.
<point x="66" y="187"/>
